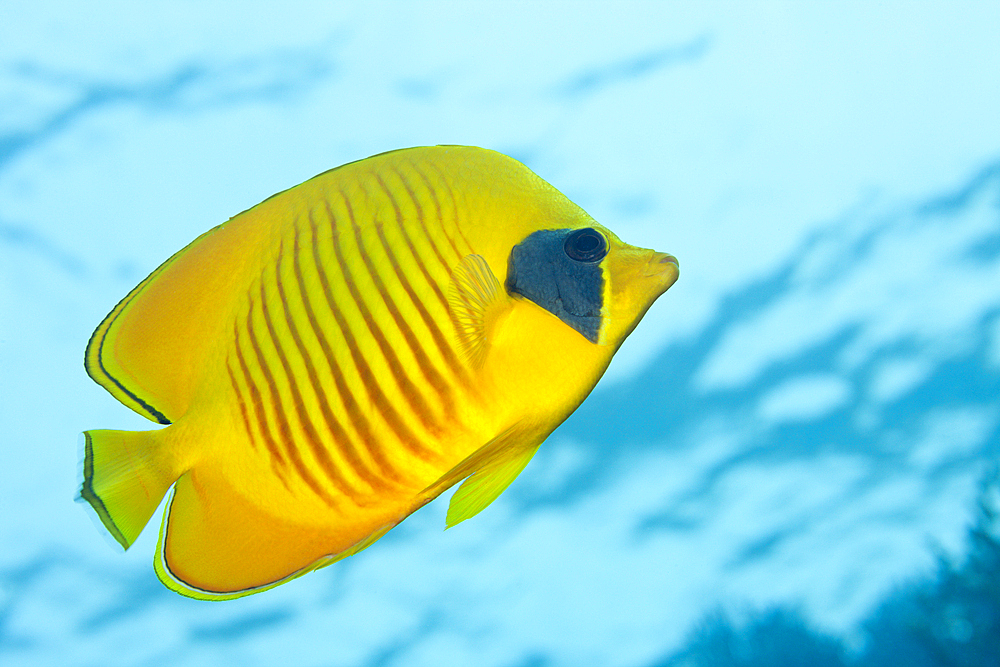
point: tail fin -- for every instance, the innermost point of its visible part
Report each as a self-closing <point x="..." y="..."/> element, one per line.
<point x="124" y="479"/>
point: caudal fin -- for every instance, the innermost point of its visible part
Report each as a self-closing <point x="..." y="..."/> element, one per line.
<point x="124" y="479"/>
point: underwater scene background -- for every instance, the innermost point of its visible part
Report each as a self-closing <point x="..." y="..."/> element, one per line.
<point x="793" y="458"/>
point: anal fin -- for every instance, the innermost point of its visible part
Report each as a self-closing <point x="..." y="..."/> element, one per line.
<point x="216" y="543"/>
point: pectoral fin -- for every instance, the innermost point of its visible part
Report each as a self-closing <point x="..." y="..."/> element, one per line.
<point x="478" y="302"/>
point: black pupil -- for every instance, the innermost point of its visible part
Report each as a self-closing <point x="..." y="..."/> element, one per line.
<point x="586" y="245"/>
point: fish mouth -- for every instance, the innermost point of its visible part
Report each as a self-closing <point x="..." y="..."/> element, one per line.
<point x="663" y="263"/>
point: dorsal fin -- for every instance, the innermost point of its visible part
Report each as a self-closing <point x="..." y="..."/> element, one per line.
<point x="147" y="349"/>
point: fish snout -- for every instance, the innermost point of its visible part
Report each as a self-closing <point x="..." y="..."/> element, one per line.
<point x="665" y="265"/>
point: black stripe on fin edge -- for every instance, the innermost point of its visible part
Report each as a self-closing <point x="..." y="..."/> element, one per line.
<point x="170" y="579"/>
<point x="96" y="343"/>
<point x="87" y="493"/>
<point x="95" y="346"/>
<point x="152" y="412"/>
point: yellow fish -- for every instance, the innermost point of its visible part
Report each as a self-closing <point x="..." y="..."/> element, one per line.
<point x="337" y="356"/>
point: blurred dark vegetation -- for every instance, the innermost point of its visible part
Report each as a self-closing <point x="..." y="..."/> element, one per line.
<point x="949" y="619"/>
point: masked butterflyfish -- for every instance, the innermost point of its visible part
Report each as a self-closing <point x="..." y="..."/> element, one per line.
<point x="337" y="356"/>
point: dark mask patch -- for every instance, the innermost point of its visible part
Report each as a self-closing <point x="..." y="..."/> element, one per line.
<point x="541" y="269"/>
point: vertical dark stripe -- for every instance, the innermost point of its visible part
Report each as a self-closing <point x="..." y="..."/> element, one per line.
<point x="354" y="412"/>
<point x="319" y="451"/>
<point x="440" y="219"/>
<point x="449" y="267"/>
<point x="410" y="392"/>
<point x="375" y="394"/>
<point x="256" y="402"/>
<point x="428" y="236"/>
<point x="340" y="436"/>
<point x="422" y="219"/>
<point x="242" y="406"/>
<point x="284" y="429"/>
<point x="454" y="208"/>
<point x="431" y="374"/>
<point x="445" y="350"/>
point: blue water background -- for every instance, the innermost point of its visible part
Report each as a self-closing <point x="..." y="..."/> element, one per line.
<point x="793" y="458"/>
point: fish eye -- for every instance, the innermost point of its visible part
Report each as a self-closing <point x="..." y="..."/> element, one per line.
<point x="586" y="245"/>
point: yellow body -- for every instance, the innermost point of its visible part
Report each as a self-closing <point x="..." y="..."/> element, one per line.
<point x="337" y="356"/>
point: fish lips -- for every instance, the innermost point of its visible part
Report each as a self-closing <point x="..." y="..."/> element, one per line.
<point x="663" y="268"/>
